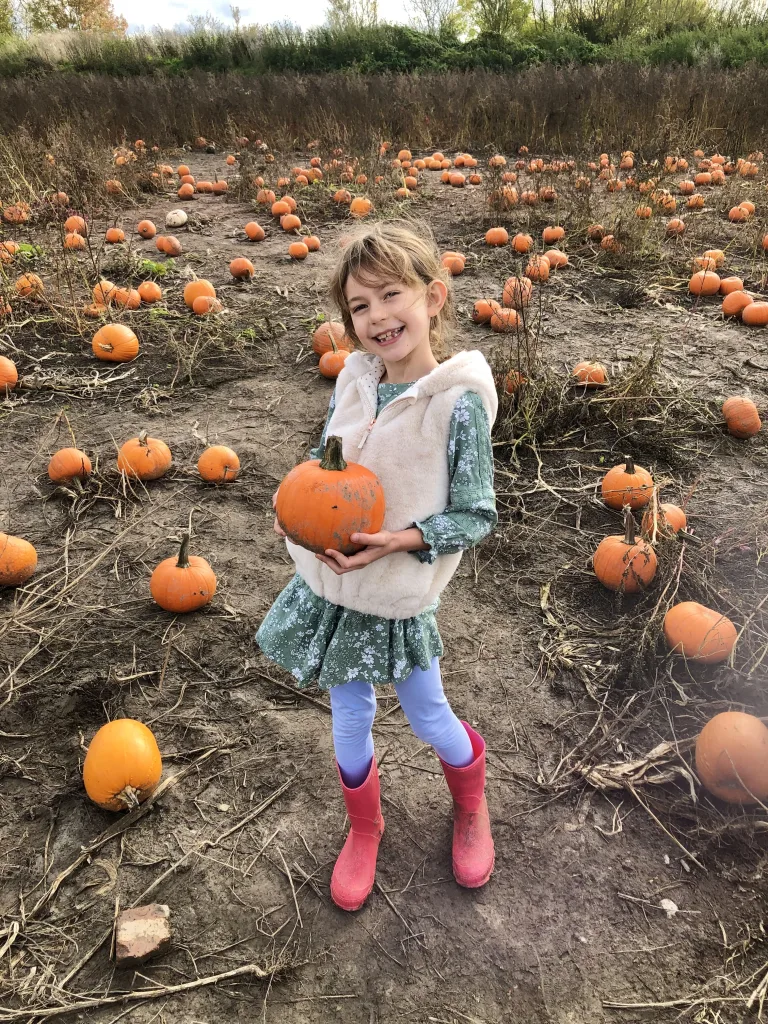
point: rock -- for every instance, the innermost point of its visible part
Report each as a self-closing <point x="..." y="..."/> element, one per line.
<point x="142" y="933"/>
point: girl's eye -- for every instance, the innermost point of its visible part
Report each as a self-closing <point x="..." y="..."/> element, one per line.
<point x="388" y="294"/>
<point x="357" y="309"/>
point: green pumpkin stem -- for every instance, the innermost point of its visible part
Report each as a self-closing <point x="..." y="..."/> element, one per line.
<point x="630" y="526"/>
<point x="183" y="562"/>
<point x="332" y="456"/>
<point x="629" y="465"/>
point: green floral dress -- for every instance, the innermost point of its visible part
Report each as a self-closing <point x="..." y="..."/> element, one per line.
<point x="317" y="641"/>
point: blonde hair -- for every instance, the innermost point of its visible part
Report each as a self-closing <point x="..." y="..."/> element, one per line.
<point x="402" y="251"/>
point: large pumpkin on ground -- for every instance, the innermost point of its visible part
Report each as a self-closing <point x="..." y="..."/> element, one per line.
<point x="699" y="633"/>
<point x="144" y="457"/>
<point x="625" y="562"/>
<point x="732" y="757"/>
<point x="18" y="560"/>
<point x="183" y="583"/>
<point x="320" y="504"/>
<point x="115" y="343"/>
<point x="123" y="765"/>
<point x="627" y="484"/>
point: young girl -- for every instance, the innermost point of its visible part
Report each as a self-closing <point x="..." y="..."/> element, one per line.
<point x="356" y="622"/>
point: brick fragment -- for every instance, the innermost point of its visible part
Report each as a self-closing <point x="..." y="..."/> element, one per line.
<point x="142" y="933"/>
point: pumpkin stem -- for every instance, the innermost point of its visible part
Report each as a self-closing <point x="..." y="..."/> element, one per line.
<point x="129" y="796"/>
<point x="630" y="526"/>
<point x="183" y="562"/>
<point x="143" y="434"/>
<point x="629" y="465"/>
<point x="332" y="457"/>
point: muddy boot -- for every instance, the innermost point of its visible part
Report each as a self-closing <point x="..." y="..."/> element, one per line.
<point x="473" y="853"/>
<point x="355" y="869"/>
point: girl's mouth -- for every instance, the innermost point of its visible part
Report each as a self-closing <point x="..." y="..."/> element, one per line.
<point x="389" y="337"/>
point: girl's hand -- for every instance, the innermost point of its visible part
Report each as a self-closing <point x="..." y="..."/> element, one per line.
<point x="277" y="527"/>
<point x="377" y="546"/>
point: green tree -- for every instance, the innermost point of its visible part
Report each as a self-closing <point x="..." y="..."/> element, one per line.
<point x="7" y="21"/>
<point x="343" y="14"/>
<point x="497" y="17"/>
<point x="81" y="15"/>
<point x="438" y="17"/>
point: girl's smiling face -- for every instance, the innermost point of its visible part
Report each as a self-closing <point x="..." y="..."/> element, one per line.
<point x="392" y="319"/>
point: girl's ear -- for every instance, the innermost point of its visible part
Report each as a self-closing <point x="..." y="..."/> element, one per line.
<point x="437" y="293"/>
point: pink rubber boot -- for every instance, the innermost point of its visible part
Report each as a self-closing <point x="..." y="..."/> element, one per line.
<point x="355" y="869"/>
<point x="473" y="853"/>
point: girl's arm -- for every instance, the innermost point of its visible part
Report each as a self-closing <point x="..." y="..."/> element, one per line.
<point x="471" y="512"/>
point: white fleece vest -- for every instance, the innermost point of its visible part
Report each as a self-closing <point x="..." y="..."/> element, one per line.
<point x="407" y="448"/>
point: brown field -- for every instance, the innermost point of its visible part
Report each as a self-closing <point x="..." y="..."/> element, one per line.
<point x="572" y="687"/>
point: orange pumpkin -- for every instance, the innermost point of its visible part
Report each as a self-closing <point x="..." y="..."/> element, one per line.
<point x="68" y="464"/>
<point x="9" y="375"/>
<point x="127" y="298"/>
<point x="320" y="504"/>
<point x="732" y="757"/>
<point x="205" y="304"/>
<point x="298" y="250"/>
<point x="312" y="243"/>
<point x="75" y="224"/>
<point x="360" y="206"/>
<point x="254" y="231"/>
<point x="103" y="292"/>
<point x="522" y="242"/>
<point x="517" y="292"/>
<point x="538" y="268"/>
<point x="591" y="375"/>
<point x="146" y="228"/>
<point x="496" y="236"/>
<point x="29" y="286"/>
<point x="115" y="343"/>
<point x="699" y="633"/>
<point x="627" y="484"/>
<point x="218" y="464"/>
<point x="504" y="320"/>
<point x="668" y="520"/>
<point x="150" y="292"/>
<point x="734" y="303"/>
<point x="144" y="458"/>
<point x="625" y="562"/>
<point x="123" y="765"/>
<point x="483" y="309"/>
<point x="556" y="258"/>
<point x="328" y="333"/>
<point x="704" y="282"/>
<point x="195" y="289"/>
<point x="290" y="222"/>
<point x="731" y="284"/>
<point x="242" y="269"/>
<point x="114" y="236"/>
<point x="183" y="583"/>
<point x="18" y="560"/>
<point x="741" y="417"/>
<point x="755" y="314"/>
<point x="332" y="363"/>
<point x="552" y="233"/>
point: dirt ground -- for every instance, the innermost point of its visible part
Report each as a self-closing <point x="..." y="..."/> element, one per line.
<point x="241" y="847"/>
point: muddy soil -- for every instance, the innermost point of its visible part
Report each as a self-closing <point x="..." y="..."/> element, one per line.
<point x="242" y="846"/>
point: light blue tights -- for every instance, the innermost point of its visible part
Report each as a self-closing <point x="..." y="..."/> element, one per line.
<point x="425" y="706"/>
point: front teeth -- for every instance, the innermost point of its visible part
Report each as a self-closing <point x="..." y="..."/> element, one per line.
<point x="388" y="335"/>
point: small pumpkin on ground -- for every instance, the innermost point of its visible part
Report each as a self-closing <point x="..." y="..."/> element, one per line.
<point x="590" y="375"/>
<point x="183" y="583"/>
<point x="18" y="560"/>
<point x="242" y="269"/>
<point x="321" y="503"/>
<point x="115" y="343"/>
<point x="627" y="484"/>
<point x="699" y="633"/>
<point x="194" y="289"/>
<point x="741" y="417"/>
<point x="332" y="363"/>
<point x="69" y="464"/>
<point x="9" y="375"/>
<point x="325" y="334"/>
<point x="218" y="464"/>
<point x="732" y="757"/>
<point x="143" y="457"/>
<point x="123" y="765"/>
<point x="625" y="561"/>
<point x="669" y="519"/>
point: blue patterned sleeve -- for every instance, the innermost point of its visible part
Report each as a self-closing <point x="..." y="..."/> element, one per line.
<point x="471" y="512"/>
<point x="317" y="453"/>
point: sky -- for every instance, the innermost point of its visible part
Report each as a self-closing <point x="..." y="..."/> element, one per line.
<point x="168" y="13"/>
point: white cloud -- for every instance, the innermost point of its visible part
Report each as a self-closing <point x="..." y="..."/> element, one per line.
<point x="306" y="13"/>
